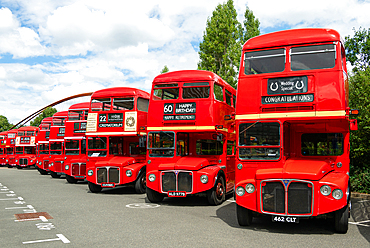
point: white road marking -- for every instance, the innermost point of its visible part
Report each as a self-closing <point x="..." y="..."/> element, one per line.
<point x="43" y="218"/>
<point x="142" y="205"/>
<point x="230" y="200"/>
<point x="360" y="223"/>
<point x="61" y="237"/>
<point x="28" y="206"/>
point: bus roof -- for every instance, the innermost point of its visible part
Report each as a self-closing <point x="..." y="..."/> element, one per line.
<point x="120" y="91"/>
<point x="28" y="128"/>
<point x="80" y="106"/>
<point x="191" y="75"/>
<point x="292" y="37"/>
<point x="61" y="114"/>
<point x="47" y="120"/>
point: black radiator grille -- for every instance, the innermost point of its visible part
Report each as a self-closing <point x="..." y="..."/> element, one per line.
<point x="297" y="194"/>
<point x="183" y="181"/>
<point x="273" y="197"/>
<point x="46" y="164"/>
<point x="108" y="175"/>
<point x="23" y="161"/>
<point x="78" y="169"/>
<point x="299" y="198"/>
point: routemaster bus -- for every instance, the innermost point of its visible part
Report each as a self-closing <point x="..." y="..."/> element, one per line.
<point x="56" y="144"/>
<point x="10" y="147"/>
<point x="42" y="142"/>
<point x="293" y="128"/>
<point x="3" y="136"/>
<point x="75" y="143"/>
<point x="191" y="137"/>
<point x="116" y="134"/>
<point x="25" y="147"/>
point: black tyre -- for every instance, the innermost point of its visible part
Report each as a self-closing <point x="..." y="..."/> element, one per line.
<point x="54" y="174"/>
<point x="244" y="216"/>
<point x="140" y="184"/>
<point x="42" y="172"/>
<point x="19" y="167"/>
<point x="216" y="195"/>
<point x="71" y="179"/>
<point x="94" y="188"/>
<point x="341" y="220"/>
<point x="154" y="196"/>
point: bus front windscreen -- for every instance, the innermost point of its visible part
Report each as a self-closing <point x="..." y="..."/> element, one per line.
<point x="97" y="146"/>
<point x="259" y="141"/>
<point x="161" y="144"/>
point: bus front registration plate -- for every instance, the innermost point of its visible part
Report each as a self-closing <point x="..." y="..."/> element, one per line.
<point x="287" y="219"/>
<point x="176" y="194"/>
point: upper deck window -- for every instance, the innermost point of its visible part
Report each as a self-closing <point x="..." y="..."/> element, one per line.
<point x="123" y="103"/>
<point x="58" y="121"/>
<point x="218" y="92"/>
<point x="166" y="91"/>
<point x="101" y="104"/>
<point x="322" y="144"/>
<point x="30" y="133"/>
<point x="312" y="57"/>
<point x="264" y="61"/>
<point x="21" y="133"/>
<point x="75" y="115"/>
<point x="142" y="104"/>
<point x="262" y="140"/>
<point x="195" y="90"/>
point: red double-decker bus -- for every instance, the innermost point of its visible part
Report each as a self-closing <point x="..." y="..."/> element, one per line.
<point x="56" y="144"/>
<point x="3" y="136"/>
<point x="25" y="147"/>
<point x="10" y="147"/>
<point x="42" y="143"/>
<point x="293" y="128"/>
<point x="116" y="133"/>
<point x="75" y="142"/>
<point x="190" y="136"/>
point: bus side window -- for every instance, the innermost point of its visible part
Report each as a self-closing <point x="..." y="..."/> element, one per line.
<point x="228" y="97"/>
<point x="218" y="92"/>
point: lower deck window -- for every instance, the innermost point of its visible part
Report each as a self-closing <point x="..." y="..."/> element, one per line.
<point x="322" y="144"/>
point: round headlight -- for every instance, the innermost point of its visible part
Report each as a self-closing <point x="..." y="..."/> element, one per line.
<point x="325" y="190"/>
<point x="204" y="179"/>
<point x="66" y="167"/>
<point x="240" y="191"/>
<point x="128" y="173"/>
<point x="40" y="163"/>
<point x="249" y="188"/>
<point x="90" y="172"/>
<point x="31" y="161"/>
<point x="149" y="161"/>
<point x="337" y="194"/>
<point x="151" y="177"/>
<point x="51" y="164"/>
<point x="339" y="164"/>
<point x="239" y="166"/>
<point x="16" y="160"/>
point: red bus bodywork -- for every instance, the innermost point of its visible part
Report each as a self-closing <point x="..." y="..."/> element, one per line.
<point x="25" y="147"/>
<point x="115" y="136"/>
<point x="42" y="142"/>
<point x="75" y="142"/>
<point x="292" y="126"/>
<point x="3" y="136"/>
<point x="56" y="144"/>
<point x="10" y="147"/>
<point x="190" y="144"/>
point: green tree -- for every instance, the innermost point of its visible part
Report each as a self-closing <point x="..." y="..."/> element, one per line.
<point x="251" y="25"/>
<point x="358" y="49"/>
<point x="46" y="113"/>
<point x="223" y="38"/>
<point x="4" y="124"/>
<point x="165" y="69"/>
<point x="359" y="90"/>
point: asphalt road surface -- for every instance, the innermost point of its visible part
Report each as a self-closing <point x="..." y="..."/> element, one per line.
<point x="39" y="211"/>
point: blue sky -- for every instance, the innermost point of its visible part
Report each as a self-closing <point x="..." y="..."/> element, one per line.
<point x="54" y="49"/>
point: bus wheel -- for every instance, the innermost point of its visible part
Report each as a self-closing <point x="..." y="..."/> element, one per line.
<point x="341" y="220"/>
<point x="216" y="195"/>
<point x="94" y="188"/>
<point x="71" y="179"/>
<point x="42" y="172"/>
<point x="154" y="196"/>
<point x="244" y="216"/>
<point x="19" y="167"/>
<point x="140" y="184"/>
<point x="54" y="174"/>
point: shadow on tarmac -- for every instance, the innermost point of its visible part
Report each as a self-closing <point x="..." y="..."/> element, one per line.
<point x="361" y="213"/>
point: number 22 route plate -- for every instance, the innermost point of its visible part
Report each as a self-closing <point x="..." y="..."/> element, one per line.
<point x="288" y="219"/>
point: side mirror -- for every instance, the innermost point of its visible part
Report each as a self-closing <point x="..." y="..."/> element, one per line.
<point x="353" y="125"/>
